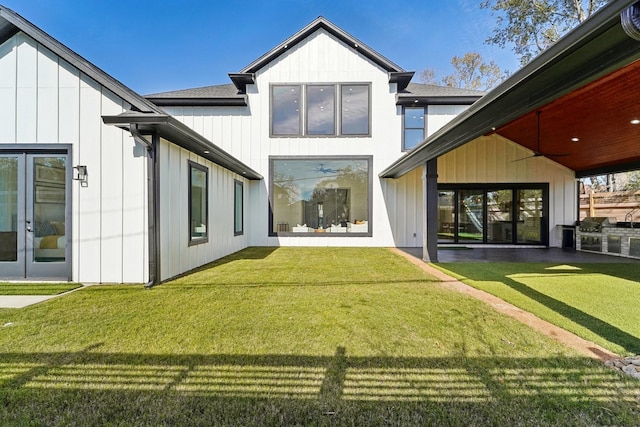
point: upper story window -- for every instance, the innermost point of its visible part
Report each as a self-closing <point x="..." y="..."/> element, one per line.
<point x="312" y="110"/>
<point x="414" y="127"/>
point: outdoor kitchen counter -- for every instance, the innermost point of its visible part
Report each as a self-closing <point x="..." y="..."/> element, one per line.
<point x="612" y="240"/>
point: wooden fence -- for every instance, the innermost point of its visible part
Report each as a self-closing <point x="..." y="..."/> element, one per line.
<point x="623" y="206"/>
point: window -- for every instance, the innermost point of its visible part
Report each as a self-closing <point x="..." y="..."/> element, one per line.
<point x="310" y="110"/>
<point x="414" y="124"/>
<point x="238" y="214"/>
<point x="198" y="204"/>
<point x="321" y="196"/>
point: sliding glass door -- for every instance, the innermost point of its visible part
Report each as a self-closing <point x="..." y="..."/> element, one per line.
<point x="493" y="213"/>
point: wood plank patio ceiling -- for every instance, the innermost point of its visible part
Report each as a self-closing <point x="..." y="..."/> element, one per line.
<point x="598" y="114"/>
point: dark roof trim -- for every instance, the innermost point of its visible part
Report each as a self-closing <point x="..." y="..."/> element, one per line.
<point x="594" y="49"/>
<point x="241" y="80"/>
<point x="402" y="78"/>
<point x="137" y="102"/>
<point x="173" y="130"/>
<point x="418" y="101"/>
<point x="626" y="167"/>
<point x="317" y="24"/>
<point x="239" y="101"/>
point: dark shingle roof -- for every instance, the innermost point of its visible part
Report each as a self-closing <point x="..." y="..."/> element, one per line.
<point x="421" y="89"/>
<point x="218" y="95"/>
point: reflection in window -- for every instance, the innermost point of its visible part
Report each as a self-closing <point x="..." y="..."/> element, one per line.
<point x="238" y="217"/>
<point x="316" y="104"/>
<point x="321" y="110"/>
<point x="8" y="209"/>
<point x="355" y="110"/>
<point x="198" y="203"/>
<point x="285" y="110"/>
<point x="413" y="126"/>
<point x="320" y="195"/>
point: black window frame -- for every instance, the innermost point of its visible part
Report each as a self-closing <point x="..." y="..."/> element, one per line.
<point x="197" y="240"/>
<point x="404" y="127"/>
<point x="370" y="212"/>
<point x="238" y="195"/>
<point x="515" y="187"/>
<point x="303" y="113"/>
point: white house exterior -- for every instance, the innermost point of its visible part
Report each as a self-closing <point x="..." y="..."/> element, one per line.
<point x="306" y="147"/>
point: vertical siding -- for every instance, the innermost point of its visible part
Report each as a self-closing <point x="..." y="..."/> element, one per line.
<point x="494" y="159"/>
<point x="44" y="99"/>
<point x="176" y="256"/>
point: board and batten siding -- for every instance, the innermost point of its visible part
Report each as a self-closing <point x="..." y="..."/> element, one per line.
<point x="45" y="99"/>
<point x="176" y="256"/>
<point x="494" y="159"/>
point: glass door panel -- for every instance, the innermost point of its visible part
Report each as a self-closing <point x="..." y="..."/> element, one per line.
<point x="46" y="216"/>
<point x="499" y="216"/>
<point x="446" y="216"/>
<point x="470" y="216"/>
<point x="530" y="214"/>
<point x="11" y="235"/>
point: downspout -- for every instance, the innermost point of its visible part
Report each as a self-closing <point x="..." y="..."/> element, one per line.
<point x="152" y="200"/>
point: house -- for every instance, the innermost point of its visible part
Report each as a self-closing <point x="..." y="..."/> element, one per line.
<point x="322" y="141"/>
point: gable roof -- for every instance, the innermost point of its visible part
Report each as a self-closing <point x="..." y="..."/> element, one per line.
<point x="597" y="49"/>
<point x="11" y="23"/>
<point x="144" y="114"/>
<point x="396" y="73"/>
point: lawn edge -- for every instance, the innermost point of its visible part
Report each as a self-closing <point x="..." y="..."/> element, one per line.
<point x="568" y="339"/>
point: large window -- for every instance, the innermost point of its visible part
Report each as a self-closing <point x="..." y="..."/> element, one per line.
<point x="238" y="213"/>
<point x="414" y="125"/>
<point x="321" y="196"/>
<point x="198" y="204"/>
<point x="493" y="213"/>
<point x="310" y="110"/>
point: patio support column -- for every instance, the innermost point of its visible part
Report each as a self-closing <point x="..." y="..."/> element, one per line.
<point x="430" y="225"/>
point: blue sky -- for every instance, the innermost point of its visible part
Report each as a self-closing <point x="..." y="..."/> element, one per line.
<point x="156" y="46"/>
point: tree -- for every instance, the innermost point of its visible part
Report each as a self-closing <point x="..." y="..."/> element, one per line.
<point x="471" y="72"/>
<point x="534" y="25"/>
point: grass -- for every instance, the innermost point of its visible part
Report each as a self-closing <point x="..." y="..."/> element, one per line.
<point x="10" y="288"/>
<point x="295" y="336"/>
<point x="598" y="302"/>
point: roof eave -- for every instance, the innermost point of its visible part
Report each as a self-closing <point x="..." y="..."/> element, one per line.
<point x="592" y="50"/>
<point x="235" y="101"/>
<point x="173" y="130"/>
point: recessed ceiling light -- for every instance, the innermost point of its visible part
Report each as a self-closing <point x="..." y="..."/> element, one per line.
<point x="575" y="139"/>
<point x="635" y="122"/>
<point x="206" y="151"/>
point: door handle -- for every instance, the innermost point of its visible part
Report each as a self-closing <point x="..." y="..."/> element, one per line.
<point x="28" y="228"/>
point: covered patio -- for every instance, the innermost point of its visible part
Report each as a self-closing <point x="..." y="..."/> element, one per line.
<point x="574" y="104"/>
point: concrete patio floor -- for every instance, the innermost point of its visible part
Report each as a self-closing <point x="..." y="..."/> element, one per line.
<point x="519" y="254"/>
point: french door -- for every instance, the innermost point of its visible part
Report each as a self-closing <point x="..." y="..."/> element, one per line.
<point x="34" y="216"/>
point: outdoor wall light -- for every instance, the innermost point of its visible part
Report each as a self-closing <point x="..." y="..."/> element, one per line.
<point x="80" y="174"/>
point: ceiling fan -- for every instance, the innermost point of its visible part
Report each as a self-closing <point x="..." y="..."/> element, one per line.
<point x="324" y="170"/>
<point x="537" y="152"/>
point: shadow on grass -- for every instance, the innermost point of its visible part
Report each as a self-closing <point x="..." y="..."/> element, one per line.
<point x="605" y="330"/>
<point x="88" y="388"/>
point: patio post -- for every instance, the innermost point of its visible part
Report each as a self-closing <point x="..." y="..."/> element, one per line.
<point x="430" y="226"/>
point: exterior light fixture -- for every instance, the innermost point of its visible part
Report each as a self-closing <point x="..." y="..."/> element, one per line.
<point x="80" y="174"/>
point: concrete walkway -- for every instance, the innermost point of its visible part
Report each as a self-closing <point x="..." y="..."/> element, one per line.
<point x="20" y="301"/>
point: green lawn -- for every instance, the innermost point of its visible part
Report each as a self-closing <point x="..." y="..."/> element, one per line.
<point x="599" y="302"/>
<point x="295" y="336"/>
<point x="10" y="288"/>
